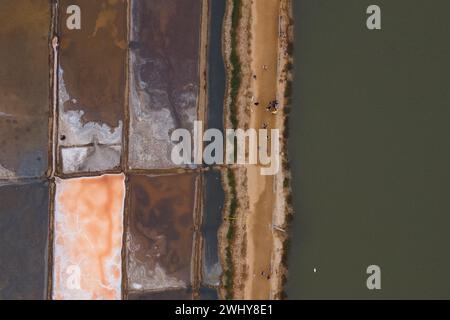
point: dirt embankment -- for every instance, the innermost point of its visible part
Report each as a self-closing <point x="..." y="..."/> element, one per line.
<point x="258" y="51"/>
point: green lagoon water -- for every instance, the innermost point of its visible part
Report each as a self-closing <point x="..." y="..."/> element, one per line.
<point x="369" y="150"/>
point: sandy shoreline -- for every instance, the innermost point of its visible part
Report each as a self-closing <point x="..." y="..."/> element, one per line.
<point x="260" y="222"/>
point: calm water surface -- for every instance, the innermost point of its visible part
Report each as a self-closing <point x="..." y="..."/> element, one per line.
<point x="370" y="150"/>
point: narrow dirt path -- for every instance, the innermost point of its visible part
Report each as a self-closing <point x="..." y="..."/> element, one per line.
<point x="264" y="45"/>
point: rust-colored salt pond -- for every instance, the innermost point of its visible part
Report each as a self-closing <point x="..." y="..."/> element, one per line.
<point x="92" y="84"/>
<point x="24" y="87"/>
<point x="23" y="240"/>
<point x="88" y="237"/>
<point x="160" y="233"/>
<point x="164" y="79"/>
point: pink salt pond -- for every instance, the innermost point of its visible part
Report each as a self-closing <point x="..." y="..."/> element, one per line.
<point x="88" y="238"/>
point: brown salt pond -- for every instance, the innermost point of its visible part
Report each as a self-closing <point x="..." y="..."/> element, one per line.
<point x="160" y="232"/>
<point x="183" y="294"/>
<point x="23" y="240"/>
<point x="24" y="87"/>
<point x="92" y="84"/>
<point x="164" y="77"/>
<point x="88" y="232"/>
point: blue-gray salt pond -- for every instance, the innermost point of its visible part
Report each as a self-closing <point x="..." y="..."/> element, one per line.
<point x="213" y="201"/>
<point x="24" y="226"/>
